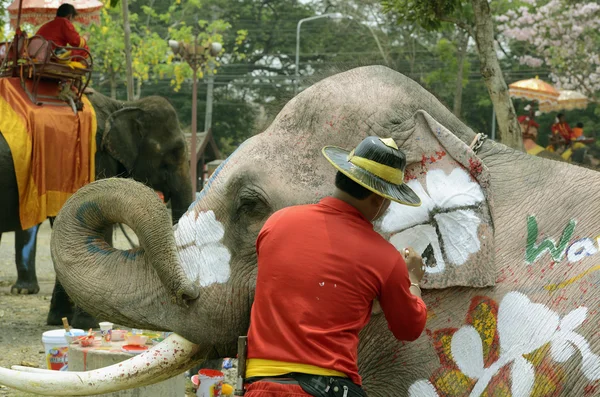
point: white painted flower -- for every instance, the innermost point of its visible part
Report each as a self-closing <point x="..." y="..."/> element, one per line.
<point x="448" y="204"/>
<point x="523" y="327"/>
<point x="201" y="254"/>
<point x="422" y="388"/>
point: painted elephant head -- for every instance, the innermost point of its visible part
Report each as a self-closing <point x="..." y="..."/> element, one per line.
<point x="491" y="308"/>
<point x="143" y="140"/>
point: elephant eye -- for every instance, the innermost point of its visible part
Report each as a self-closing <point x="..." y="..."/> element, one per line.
<point x="251" y="203"/>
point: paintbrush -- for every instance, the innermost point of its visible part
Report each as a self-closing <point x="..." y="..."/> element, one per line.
<point x="66" y="324"/>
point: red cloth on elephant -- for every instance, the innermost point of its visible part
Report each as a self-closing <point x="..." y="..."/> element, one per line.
<point x="319" y="268"/>
<point x="267" y="389"/>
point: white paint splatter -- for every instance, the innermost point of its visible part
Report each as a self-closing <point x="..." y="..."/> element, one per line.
<point x="322" y="283"/>
<point x="204" y="259"/>
<point x="458" y="227"/>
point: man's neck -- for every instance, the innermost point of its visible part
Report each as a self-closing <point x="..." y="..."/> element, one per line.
<point x="345" y="197"/>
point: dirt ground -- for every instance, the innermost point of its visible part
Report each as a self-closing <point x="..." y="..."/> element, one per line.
<point x="23" y="317"/>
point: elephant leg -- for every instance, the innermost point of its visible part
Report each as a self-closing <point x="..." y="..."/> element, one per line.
<point x="62" y="306"/>
<point x="25" y="248"/>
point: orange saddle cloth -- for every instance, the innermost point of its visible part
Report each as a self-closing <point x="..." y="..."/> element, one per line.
<point x="52" y="148"/>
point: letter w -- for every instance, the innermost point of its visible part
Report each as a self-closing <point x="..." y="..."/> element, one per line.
<point x="533" y="252"/>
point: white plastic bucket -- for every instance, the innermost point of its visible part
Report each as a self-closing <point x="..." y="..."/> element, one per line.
<point x="210" y="383"/>
<point x="56" y="347"/>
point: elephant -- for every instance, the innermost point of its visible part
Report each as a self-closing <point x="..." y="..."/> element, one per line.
<point x="511" y="289"/>
<point x="141" y="140"/>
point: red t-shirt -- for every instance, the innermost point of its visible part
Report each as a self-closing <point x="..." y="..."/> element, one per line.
<point x="62" y="32"/>
<point x="319" y="268"/>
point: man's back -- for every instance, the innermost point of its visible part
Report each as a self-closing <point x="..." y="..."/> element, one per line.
<point x="62" y="33"/>
<point x="319" y="269"/>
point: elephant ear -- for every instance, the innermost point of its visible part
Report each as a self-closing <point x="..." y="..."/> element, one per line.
<point x="453" y="228"/>
<point x="123" y="135"/>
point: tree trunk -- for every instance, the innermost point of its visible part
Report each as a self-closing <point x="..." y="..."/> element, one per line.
<point x="462" y="52"/>
<point x="127" y="36"/>
<point x="138" y="93"/>
<point x="113" y="86"/>
<point x="508" y="126"/>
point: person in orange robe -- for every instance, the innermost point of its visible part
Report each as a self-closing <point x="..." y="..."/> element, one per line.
<point x="561" y="134"/>
<point x="577" y="132"/>
<point x="62" y="32"/>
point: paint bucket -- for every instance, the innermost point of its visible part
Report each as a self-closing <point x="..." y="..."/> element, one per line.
<point x="56" y="347"/>
<point x="210" y="382"/>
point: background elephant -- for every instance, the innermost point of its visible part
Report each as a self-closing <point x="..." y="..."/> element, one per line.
<point x="140" y="140"/>
<point x="512" y="298"/>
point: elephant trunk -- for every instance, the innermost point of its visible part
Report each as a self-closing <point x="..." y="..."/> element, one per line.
<point x="176" y="355"/>
<point x="100" y="278"/>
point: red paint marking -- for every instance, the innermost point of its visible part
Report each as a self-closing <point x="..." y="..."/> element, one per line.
<point x="475" y="167"/>
<point x="408" y="175"/>
<point x="85" y="360"/>
<point x="590" y="390"/>
<point x="423" y="161"/>
<point x="440" y="154"/>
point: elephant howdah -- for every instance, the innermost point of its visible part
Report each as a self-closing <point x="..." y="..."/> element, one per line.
<point x="512" y="299"/>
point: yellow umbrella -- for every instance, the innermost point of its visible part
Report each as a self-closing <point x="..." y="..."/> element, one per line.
<point x="534" y="90"/>
<point x="567" y="100"/>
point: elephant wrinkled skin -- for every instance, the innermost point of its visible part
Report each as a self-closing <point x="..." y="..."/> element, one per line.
<point x="512" y="298"/>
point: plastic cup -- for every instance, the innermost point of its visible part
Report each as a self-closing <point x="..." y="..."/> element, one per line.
<point x="210" y="383"/>
<point x="106" y="331"/>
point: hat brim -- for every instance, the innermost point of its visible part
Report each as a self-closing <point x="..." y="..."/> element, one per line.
<point x="402" y="194"/>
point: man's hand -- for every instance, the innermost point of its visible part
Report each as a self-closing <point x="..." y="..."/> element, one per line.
<point x="86" y="37"/>
<point x="415" y="265"/>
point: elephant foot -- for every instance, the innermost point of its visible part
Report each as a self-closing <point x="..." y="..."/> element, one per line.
<point x="84" y="320"/>
<point x="25" y="288"/>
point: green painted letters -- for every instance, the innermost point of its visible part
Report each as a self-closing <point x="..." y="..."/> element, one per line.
<point x="533" y="252"/>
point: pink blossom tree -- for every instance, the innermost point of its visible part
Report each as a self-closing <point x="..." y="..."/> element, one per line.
<point x="561" y="34"/>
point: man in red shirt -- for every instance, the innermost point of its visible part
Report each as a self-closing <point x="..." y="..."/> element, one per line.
<point x="62" y="32"/>
<point x="320" y="268"/>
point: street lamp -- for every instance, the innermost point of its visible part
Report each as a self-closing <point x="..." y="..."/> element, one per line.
<point x="196" y="56"/>
<point x="336" y="16"/>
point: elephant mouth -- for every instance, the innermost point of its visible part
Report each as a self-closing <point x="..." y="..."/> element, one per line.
<point x="445" y="228"/>
<point x="162" y="196"/>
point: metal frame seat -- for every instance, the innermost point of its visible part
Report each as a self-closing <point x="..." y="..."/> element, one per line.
<point x="9" y="58"/>
<point x="41" y="62"/>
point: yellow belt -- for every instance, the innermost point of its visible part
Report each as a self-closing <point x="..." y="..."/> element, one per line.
<point x="258" y="367"/>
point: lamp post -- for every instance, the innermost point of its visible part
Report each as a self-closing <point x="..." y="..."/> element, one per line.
<point x="336" y="15"/>
<point x="195" y="56"/>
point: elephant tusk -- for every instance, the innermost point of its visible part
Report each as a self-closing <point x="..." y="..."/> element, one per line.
<point x="31" y="369"/>
<point x="169" y="358"/>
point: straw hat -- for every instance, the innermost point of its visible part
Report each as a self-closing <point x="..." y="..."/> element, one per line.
<point x="376" y="164"/>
